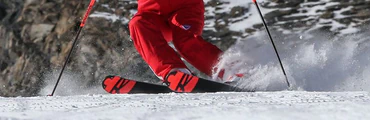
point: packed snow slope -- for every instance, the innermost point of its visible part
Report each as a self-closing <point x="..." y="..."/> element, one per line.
<point x="286" y="105"/>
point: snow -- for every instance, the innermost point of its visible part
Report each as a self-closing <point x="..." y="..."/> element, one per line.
<point x="253" y="17"/>
<point x="287" y="105"/>
<point x="109" y="16"/>
<point x="242" y="23"/>
<point x="338" y="14"/>
<point x="317" y="62"/>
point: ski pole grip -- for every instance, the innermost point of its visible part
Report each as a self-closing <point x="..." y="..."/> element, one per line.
<point x="254" y="1"/>
<point x="92" y="2"/>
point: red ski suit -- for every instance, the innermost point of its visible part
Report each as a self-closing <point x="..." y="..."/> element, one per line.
<point x="158" y="22"/>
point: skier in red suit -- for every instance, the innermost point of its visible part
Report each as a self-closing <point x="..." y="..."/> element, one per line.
<point x="158" y="22"/>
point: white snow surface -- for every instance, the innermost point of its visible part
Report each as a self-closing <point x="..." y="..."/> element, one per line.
<point x="284" y="105"/>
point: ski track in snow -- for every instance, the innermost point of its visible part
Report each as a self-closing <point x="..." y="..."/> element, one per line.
<point x="211" y="106"/>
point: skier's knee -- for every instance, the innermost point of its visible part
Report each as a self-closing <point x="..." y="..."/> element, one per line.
<point x="134" y="22"/>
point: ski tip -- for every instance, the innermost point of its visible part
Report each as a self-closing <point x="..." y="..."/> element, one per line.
<point x="254" y="1"/>
<point x="109" y="77"/>
<point x="118" y="85"/>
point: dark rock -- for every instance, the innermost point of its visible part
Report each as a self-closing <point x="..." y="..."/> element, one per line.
<point x="363" y="14"/>
<point x="2" y="11"/>
<point x="346" y="21"/>
<point x="327" y="15"/>
<point x="292" y="18"/>
<point x="3" y="65"/>
<point x="333" y="8"/>
<point x="213" y="3"/>
<point x="257" y="26"/>
<point x="238" y="11"/>
<point x="270" y="17"/>
<point x="349" y="12"/>
<point x="283" y="3"/>
<point x="248" y="30"/>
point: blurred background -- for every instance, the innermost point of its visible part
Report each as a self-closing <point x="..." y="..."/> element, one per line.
<point x="311" y="35"/>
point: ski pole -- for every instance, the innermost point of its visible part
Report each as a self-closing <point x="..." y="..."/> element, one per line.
<point x="272" y="41"/>
<point x="92" y="2"/>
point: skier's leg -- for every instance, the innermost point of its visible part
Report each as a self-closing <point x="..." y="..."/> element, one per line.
<point x="149" y="42"/>
<point x="187" y="26"/>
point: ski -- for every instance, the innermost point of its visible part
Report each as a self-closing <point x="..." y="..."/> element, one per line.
<point x="176" y="82"/>
<point x="120" y="85"/>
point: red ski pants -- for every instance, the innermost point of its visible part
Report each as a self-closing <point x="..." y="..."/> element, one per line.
<point x="160" y="21"/>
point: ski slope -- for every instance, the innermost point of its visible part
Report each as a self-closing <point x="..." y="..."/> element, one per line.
<point x="287" y="105"/>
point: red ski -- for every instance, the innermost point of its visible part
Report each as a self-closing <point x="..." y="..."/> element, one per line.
<point x="175" y="82"/>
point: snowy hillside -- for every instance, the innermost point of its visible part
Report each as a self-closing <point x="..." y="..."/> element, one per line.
<point x="219" y="106"/>
<point x="301" y="16"/>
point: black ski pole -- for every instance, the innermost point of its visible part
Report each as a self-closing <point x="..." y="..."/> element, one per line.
<point x="272" y="41"/>
<point x="92" y="2"/>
